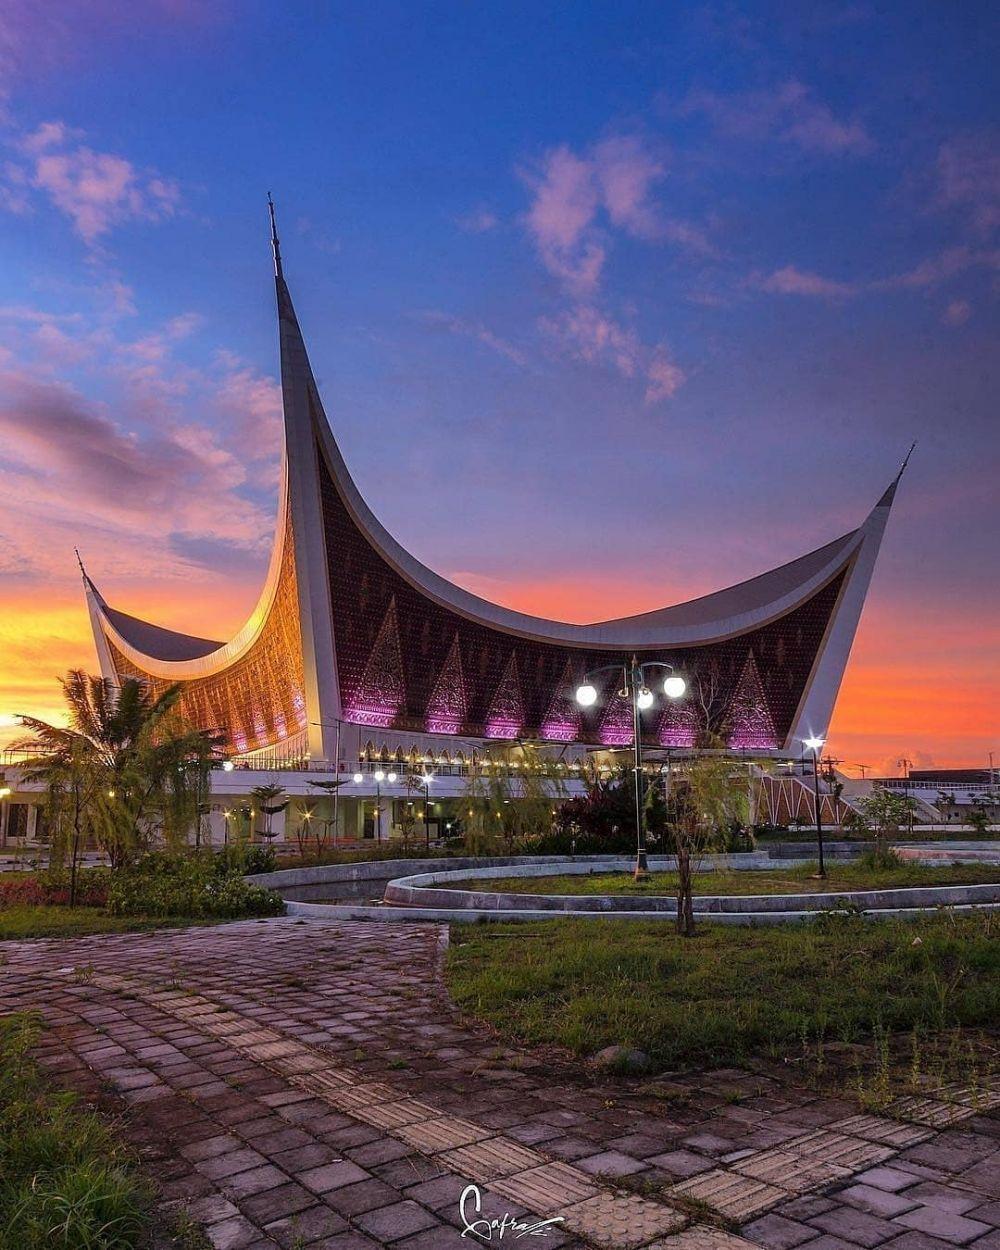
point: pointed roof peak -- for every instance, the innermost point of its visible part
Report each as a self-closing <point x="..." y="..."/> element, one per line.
<point x="890" y="491"/>
<point x="275" y="246"/>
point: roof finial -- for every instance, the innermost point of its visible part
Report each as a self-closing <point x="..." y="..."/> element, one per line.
<point x="274" y="238"/>
<point x="76" y="552"/>
<point x="906" y="460"/>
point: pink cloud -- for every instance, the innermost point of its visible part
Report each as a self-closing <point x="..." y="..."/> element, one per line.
<point x="957" y="313"/>
<point x="475" y="330"/>
<point x="98" y="190"/>
<point x="792" y="281"/>
<point x="788" y="112"/>
<point x="579" y="200"/>
<point x="968" y="173"/>
<point x="587" y="334"/>
<point x="479" y="221"/>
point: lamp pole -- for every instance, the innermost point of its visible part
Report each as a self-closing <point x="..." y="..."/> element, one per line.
<point x="634" y="688"/>
<point x="426" y="779"/>
<point x="379" y="776"/>
<point x="816" y="745"/>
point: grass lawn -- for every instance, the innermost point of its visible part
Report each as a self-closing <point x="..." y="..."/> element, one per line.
<point x="798" y="880"/>
<point x="730" y="993"/>
<point x="66" y="1181"/>
<point x="17" y="923"/>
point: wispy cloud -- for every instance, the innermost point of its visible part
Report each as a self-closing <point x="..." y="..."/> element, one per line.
<point x="792" y="281"/>
<point x="928" y="274"/>
<point x="968" y="179"/>
<point x="587" y="334"/>
<point x="470" y="328"/>
<point x="789" y="113"/>
<point x="479" y="220"/>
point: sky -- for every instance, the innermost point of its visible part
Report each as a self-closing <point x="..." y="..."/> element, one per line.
<point x="610" y="305"/>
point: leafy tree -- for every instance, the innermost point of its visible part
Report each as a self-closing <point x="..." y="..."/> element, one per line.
<point x="126" y="764"/>
<point x="700" y="813"/>
<point x="880" y="815"/>
<point x="513" y="800"/>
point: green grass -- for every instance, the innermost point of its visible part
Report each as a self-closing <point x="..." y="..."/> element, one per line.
<point x="797" y="880"/>
<point x="66" y="1180"/>
<point x="18" y="923"/>
<point x="731" y="993"/>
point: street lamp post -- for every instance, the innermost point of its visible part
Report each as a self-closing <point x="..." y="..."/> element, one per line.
<point x="425" y="780"/>
<point x="816" y="745"/>
<point x="634" y="687"/>
<point x="4" y="814"/>
<point x="379" y="776"/>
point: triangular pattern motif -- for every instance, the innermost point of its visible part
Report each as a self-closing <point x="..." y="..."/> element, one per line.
<point x="751" y="724"/>
<point x="678" y="725"/>
<point x="506" y="714"/>
<point x="616" y="723"/>
<point x="381" y="691"/>
<point x="561" y="722"/>
<point x="446" y="708"/>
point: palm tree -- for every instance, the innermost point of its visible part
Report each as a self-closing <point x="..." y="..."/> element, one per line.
<point x="126" y="763"/>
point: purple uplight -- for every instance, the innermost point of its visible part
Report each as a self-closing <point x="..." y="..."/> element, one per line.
<point x="560" y="731"/>
<point x="381" y="718"/>
<point x="502" y="729"/>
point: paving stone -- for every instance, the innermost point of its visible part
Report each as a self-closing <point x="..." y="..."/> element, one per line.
<point x="254" y="1181"/>
<point x="946" y="1225"/>
<point x="330" y="1176"/>
<point x="235" y="1233"/>
<point x="796" y="1174"/>
<point x="547" y="1189"/>
<point x="484" y="1161"/>
<point x="401" y="1219"/>
<point x="305" y="1227"/>
<point x="778" y="1233"/>
<point x="888" y="1178"/>
<point x="621" y="1220"/>
<point x="857" y="1227"/>
<point x="988" y="1213"/>
<point x="366" y="1196"/>
<point x="737" y="1197"/>
<point x="704" y="1237"/>
<point x="930" y="1111"/>
<point x="917" y="1241"/>
<point x="947" y="1198"/>
<point x="610" y="1163"/>
<point x="442" y="1134"/>
<point x="229" y="1164"/>
<point x="876" y="1201"/>
<point x="849" y="1152"/>
<point x="878" y="1129"/>
<point x="681" y="1162"/>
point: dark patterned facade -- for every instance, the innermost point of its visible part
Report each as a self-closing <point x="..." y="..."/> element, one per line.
<point x="404" y="662"/>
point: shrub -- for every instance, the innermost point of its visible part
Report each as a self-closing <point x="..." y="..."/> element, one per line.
<point x="51" y="888"/>
<point x="879" y="857"/>
<point x="161" y="884"/>
<point x="241" y="858"/>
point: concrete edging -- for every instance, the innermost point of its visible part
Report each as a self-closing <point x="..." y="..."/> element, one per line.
<point x="413" y="897"/>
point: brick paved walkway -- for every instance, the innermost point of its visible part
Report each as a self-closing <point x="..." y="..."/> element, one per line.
<point x="307" y="1084"/>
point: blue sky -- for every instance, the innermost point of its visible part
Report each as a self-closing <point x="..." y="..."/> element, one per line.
<point x="609" y="305"/>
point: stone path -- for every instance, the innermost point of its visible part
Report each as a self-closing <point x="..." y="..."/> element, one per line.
<point x="298" y="1084"/>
